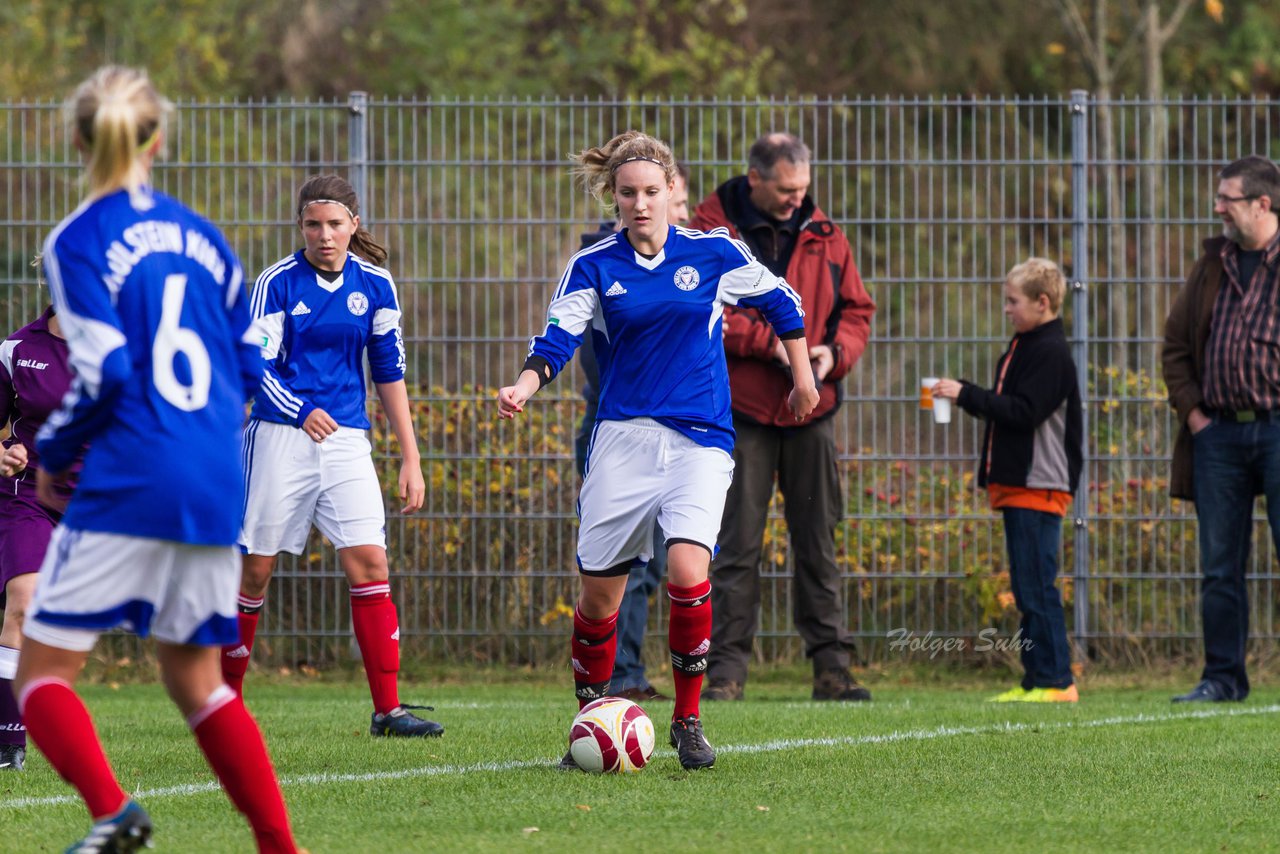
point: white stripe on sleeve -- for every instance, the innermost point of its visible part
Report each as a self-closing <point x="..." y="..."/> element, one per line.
<point x="268" y="333"/>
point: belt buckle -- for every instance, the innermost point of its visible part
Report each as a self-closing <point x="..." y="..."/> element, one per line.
<point x="1246" y="416"/>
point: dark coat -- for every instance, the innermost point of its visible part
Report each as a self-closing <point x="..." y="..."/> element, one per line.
<point x="1186" y="334"/>
<point x="1035" y="425"/>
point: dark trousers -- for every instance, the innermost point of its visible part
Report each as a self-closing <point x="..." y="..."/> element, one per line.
<point x="1232" y="464"/>
<point x="804" y="462"/>
<point x="1032" y="538"/>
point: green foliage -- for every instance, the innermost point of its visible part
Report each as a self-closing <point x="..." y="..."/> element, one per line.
<point x="191" y="50"/>
<point x="1238" y="54"/>
<point x="238" y="48"/>
<point x="918" y="545"/>
<point x="541" y="47"/>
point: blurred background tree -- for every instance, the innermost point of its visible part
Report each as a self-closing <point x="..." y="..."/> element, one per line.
<point x="203" y="49"/>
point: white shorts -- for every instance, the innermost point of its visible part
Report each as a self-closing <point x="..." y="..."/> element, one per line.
<point x="291" y="482"/>
<point x="92" y="581"/>
<point x="639" y="471"/>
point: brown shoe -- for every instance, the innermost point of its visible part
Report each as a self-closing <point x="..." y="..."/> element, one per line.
<point x="722" y="689"/>
<point x="838" y="684"/>
<point x="643" y="695"/>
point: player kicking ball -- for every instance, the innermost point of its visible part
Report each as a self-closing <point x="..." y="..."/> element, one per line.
<point x="651" y="296"/>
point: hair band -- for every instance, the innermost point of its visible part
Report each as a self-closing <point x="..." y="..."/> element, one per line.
<point x="327" y="202"/>
<point x="149" y="141"/>
<point x="620" y="163"/>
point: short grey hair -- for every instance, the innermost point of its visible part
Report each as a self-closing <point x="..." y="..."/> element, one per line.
<point x="772" y="147"/>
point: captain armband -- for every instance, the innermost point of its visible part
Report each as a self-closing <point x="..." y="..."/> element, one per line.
<point x="541" y="367"/>
<point x="792" y="335"/>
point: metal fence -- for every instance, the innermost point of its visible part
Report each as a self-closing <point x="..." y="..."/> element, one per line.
<point x="939" y="197"/>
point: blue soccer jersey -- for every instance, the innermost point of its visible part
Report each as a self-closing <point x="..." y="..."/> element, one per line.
<point x="656" y="326"/>
<point x="314" y="334"/>
<point x="153" y="304"/>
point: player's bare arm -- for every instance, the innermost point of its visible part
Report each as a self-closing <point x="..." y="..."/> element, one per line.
<point x="512" y="398"/>
<point x="395" y="403"/>
<point x="804" y="394"/>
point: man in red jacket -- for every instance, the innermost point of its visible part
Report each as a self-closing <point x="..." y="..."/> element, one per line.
<point x="770" y="210"/>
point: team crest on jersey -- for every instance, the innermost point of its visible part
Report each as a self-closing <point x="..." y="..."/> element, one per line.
<point x="687" y="278"/>
<point x="357" y="303"/>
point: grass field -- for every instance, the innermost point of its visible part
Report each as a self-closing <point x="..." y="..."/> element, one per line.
<point x="928" y="766"/>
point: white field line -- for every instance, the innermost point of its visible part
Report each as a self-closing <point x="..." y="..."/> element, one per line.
<point x="766" y="747"/>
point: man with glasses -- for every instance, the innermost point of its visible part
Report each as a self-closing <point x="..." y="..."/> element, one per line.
<point x="1222" y="367"/>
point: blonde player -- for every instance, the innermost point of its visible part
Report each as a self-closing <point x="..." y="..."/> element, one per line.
<point x="651" y="297"/>
<point x="153" y="305"/>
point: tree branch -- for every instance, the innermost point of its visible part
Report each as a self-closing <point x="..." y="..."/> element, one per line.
<point x="1175" y="20"/>
<point x="1069" y="11"/>
<point x="1131" y="43"/>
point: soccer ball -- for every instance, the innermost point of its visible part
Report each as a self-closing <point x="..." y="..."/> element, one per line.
<point x="611" y="736"/>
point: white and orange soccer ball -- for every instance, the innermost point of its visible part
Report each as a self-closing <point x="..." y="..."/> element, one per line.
<point x="611" y="736"/>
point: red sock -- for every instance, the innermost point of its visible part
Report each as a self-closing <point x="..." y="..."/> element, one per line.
<point x="690" y="640"/>
<point x="60" y="726"/>
<point x="373" y="618"/>
<point x="233" y="744"/>
<point x="235" y="657"/>
<point x="594" y="645"/>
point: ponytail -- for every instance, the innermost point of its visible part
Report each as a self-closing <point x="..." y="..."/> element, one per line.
<point x="117" y="115"/>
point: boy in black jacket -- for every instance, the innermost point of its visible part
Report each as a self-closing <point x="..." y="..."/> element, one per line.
<point x="1031" y="458"/>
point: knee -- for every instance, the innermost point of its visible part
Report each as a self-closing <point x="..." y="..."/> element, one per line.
<point x="596" y="605"/>
<point x="255" y="574"/>
<point x="601" y="597"/>
<point x="687" y="564"/>
<point x="366" y="565"/>
<point x="18" y="593"/>
<point x="191" y="676"/>
<point x="15" y="611"/>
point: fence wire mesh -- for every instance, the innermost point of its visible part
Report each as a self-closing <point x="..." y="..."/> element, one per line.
<point x="939" y="198"/>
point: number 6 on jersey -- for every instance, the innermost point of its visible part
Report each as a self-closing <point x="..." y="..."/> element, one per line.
<point x="171" y="339"/>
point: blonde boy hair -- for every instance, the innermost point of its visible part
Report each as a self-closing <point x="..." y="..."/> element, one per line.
<point x="1040" y="276"/>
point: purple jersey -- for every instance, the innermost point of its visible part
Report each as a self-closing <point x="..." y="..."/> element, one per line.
<point x="34" y="375"/>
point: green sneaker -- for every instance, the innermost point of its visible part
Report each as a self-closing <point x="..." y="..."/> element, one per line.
<point x="1068" y="694"/>
<point x="1013" y="695"/>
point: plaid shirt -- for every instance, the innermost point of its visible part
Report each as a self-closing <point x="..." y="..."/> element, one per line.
<point x="1242" y="357"/>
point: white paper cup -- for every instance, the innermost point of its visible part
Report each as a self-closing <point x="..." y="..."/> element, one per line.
<point x="941" y="410"/>
<point x="926" y="392"/>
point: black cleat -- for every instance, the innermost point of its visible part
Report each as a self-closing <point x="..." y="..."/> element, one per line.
<point x="691" y="744"/>
<point x="722" y="689"/>
<point x="122" y="833"/>
<point x="1207" y="691"/>
<point x="12" y="757"/>
<point x="400" y="722"/>
<point x="838" y="683"/>
<point x="567" y="763"/>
